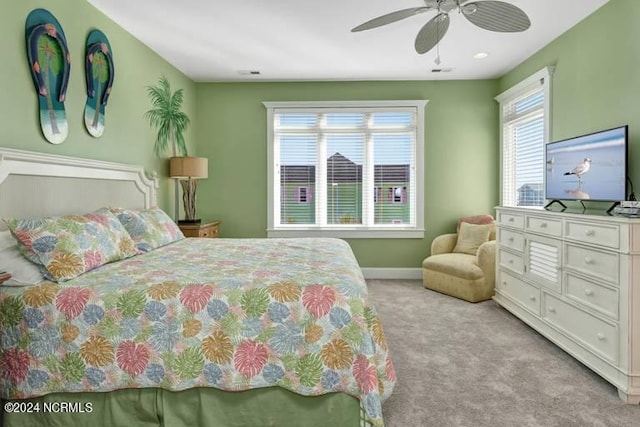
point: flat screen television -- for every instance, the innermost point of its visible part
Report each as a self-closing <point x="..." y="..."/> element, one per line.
<point x="588" y="167"/>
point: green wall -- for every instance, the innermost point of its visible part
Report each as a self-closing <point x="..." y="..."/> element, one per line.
<point x="127" y="137"/>
<point x="461" y="154"/>
<point x="596" y="83"/>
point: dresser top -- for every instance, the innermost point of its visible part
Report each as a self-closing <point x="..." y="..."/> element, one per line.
<point x="587" y="214"/>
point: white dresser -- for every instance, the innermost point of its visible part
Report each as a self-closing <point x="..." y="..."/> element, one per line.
<point x="575" y="278"/>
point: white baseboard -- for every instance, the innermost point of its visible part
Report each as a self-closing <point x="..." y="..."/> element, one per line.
<point x="392" y="273"/>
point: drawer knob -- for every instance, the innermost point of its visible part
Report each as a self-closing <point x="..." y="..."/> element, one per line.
<point x="532" y="298"/>
<point x="510" y="239"/>
<point x="589" y="260"/>
<point x="552" y="309"/>
<point x="510" y="261"/>
<point x="511" y="219"/>
<point x="543" y="225"/>
<point x="588" y="292"/>
<point x="504" y="283"/>
<point x="590" y="232"/>
<point x="600" y="336"/>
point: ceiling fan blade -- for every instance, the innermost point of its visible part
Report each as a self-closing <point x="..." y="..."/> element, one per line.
<point x="432" y="32"/>
<point x="496" y="16"/>
<point x="390" y="18"/>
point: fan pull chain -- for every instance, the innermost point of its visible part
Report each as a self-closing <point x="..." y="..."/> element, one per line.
<point x="437" y="60"/>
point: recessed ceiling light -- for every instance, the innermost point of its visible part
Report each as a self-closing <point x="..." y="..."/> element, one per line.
<point x="480" y="55"/>
<point x="249" y="72"/>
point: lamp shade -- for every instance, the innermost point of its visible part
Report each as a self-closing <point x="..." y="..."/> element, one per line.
<point x="189" y="167"/>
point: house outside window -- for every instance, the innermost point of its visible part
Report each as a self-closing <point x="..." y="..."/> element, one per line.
<point x="525" y="112"/>
<point x="344" y="154"/>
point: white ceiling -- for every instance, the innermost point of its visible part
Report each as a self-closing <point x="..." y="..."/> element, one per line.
<point x="212" y="40"/>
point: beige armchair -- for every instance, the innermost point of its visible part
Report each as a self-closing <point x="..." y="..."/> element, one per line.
<point x="469" y="276"/>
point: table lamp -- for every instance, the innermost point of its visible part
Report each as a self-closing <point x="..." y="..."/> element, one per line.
<point x="188" y="170"/>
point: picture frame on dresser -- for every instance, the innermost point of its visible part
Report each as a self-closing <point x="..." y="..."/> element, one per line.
<point x="575" y="278"/>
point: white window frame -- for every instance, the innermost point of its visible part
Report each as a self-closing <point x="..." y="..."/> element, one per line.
<point x="345" y="231"/>
<point x="542" y="78"/>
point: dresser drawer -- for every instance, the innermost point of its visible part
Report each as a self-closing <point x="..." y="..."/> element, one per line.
<point x="512" y="262"/>
<point x="548" y="226"/>
<point x="598" y="234"/>
<point x="598" y="335"/>
<point x="604" y="265"/>
<point x="511" y="219"/>
<point x="511" y="239"/>
<point x="520" y="291"/>
<point x="594" y="295"/>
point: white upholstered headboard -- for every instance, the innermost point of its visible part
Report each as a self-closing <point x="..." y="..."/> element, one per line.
<point x="38" y="184"/>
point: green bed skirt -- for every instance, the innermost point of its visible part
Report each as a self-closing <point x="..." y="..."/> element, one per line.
<point x="195" y="407"/>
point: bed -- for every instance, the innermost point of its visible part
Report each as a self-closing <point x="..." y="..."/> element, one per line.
<point x="217" y="332"/>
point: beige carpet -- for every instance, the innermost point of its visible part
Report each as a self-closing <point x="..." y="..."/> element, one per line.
<point x="462" y="364"/>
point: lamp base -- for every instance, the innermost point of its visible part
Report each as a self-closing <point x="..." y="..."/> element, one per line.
<point x="189" y="221"/>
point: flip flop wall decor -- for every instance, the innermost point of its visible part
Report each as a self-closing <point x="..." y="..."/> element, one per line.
<point x="50" y="64"/>
<point x="99" y="73"/>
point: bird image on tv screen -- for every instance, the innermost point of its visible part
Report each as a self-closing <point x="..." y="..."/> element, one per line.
<point x="581" y="169"/>
<point x="588" y="167"/>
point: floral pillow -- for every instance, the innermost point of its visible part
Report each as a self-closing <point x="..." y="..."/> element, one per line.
<point x="149" y="228"/>
<point x="71" y="245"/>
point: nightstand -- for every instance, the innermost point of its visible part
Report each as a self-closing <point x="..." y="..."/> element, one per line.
<point x="204" y="229"/>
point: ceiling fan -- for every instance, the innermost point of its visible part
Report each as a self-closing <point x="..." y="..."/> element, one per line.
<point x="488" y="14"/>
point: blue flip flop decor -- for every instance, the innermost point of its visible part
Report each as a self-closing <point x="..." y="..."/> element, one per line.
<point x="99" y="71"/>
<point x="50" y="64"/>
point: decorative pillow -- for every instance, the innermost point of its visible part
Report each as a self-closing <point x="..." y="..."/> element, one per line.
<point x="471" y="236"/>
<point x="476" y="219"/>
<point x="149" y="228"/>
<point x="23" y="272"/>
<point x="71" y="245"/>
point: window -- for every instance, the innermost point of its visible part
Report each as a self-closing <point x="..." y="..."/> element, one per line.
<point x="376" y="194"/>
<point x="398" y="194"/>
<point x="303" y="194"/>
<point x="346" y="155"/>
<point x="524" y="125"/>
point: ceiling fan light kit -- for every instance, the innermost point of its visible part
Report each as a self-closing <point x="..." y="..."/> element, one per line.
<point x="492" y="15"/>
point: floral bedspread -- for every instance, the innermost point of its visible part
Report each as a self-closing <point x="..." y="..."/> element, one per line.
<point x="232" y="314"/>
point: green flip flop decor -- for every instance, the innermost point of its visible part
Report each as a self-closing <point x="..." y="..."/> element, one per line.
<point x="50" y="64"/>
<point x="99" y="73"/>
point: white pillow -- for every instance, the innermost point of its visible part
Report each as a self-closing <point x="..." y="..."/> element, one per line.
<point x="23" y="272"/>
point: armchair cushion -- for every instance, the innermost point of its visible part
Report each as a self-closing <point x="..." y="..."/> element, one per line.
<point x="458" y="265"/>
<point x="471" y="236"/>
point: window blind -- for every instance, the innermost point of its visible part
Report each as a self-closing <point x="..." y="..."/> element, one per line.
<point x="358" y="164"/>
<point x="523" y="130"/>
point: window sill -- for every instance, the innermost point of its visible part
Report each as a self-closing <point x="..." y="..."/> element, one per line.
<point x="350" y="233"/>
